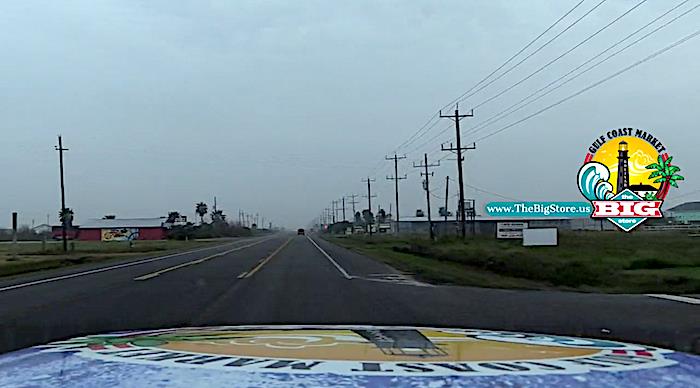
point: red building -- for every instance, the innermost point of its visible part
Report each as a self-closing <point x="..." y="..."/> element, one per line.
<point x="71" y="232"/>
<point x="123" y="229"/>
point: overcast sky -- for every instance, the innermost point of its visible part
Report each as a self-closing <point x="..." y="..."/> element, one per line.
<point x="280" y="107"/>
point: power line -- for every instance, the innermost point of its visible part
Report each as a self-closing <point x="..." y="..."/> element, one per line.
<point x="674" y="199"/>
<point x="534" y="52"/>
<point x="544" y="66"/>
<point x="614" y="75"/>
<point x="410" y="139"/>
<point x="504" y="113"/>
<point x="420" y="146"/>
<point x="560" y="56"/>
<point x="514" y="56"/>
<point x="491" y="192"/>
<point x="421" y="131"/>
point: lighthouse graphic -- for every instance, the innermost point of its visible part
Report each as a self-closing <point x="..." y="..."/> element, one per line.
<point x="623" y="172"/>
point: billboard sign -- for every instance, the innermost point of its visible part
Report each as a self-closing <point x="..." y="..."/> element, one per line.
<point x="120" y="234"/>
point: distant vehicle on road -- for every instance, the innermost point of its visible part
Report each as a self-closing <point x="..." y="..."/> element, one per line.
<point x="300" y="232"/>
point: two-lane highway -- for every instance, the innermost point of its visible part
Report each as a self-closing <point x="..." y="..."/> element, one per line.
<point x="154" y="292"/>
<point x="299" y="279"/>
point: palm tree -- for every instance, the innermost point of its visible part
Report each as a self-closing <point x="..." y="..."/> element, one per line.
<point x="66" y="216"/>
<point x="201" y="209"/>
<point x="173" y="216"/>
<point x="666" y="174"/>
<point x="218" y="216"/>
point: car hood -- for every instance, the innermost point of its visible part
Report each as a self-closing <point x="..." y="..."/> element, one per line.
<point x="341" y="355"/>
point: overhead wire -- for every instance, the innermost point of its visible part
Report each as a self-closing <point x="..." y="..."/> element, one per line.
<point x="536" y="51"/>
<point x="506" y="112"/>
<point x="445" y="129"/>
<point x="596" y="84"/>
<point x="515" y="55"/>
<point x="421" y="131"/>
<point x="546" y="65"/>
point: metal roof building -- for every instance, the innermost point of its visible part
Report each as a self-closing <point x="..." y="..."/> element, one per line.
<point x="685" y="213"/>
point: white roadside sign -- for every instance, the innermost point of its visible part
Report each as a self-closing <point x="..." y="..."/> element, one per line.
<point x="540" y="237"/>
<point x="510" y="230"/>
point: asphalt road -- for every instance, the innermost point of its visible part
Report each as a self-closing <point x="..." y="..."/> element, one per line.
<point x="287" y="279"/>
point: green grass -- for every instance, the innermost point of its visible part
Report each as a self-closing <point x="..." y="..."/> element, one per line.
<point x="583" y="261"/>
<point x="35" y="256"/>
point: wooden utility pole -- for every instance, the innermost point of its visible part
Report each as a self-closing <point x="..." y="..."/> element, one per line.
<point x="344" y="219"/>
<point x="447" y="196"/>
<point x="60" y="150"/>
<point x="369" y="202"/>
<point x="427" y="188"/>
<point x="396" y="178"/>
<point x="14" y="235"/>
<point x="456" y="118"/>
<point x="353" y="202"/>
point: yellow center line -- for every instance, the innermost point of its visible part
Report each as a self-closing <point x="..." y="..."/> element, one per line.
<point x="196" y="261"/>
<point x="264" y="261"/>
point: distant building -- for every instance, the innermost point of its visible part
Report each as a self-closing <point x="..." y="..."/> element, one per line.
<point x="685" y="213"/>
<point x="125" y="229"/>
<point x="42" y="228"/>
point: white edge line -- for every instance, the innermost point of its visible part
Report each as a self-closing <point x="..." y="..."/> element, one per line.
<point x="342" y="271"/>
<point x="104" y="269"/>
<point x="675" y="298"/>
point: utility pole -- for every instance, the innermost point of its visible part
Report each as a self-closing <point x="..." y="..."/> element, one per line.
<point x="456" y="118"/>
<point x="427" y="188"/>
<point x="215" y="203"/>
<point x="396" y="179"/>
<point x="353" y="202"/>
<point x="447" y="196"/>
<point x="60" y="150"/>
<point x="369" y="202"/>
<point x="344" y="219"/>
<point x="333" y="210"/>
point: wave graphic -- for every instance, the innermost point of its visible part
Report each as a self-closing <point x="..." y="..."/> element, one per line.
<point x="593" y="181"/>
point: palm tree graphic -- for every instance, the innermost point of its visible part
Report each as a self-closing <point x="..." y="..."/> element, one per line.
<point x="665" y="173"/>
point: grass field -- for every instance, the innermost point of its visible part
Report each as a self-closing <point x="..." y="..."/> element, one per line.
<point x="638" y="262"/>
<point x="36" y="256"/>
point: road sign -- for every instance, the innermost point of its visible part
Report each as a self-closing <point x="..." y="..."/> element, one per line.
<point x="510" y="230"/>
<point x="540" y="237"/>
